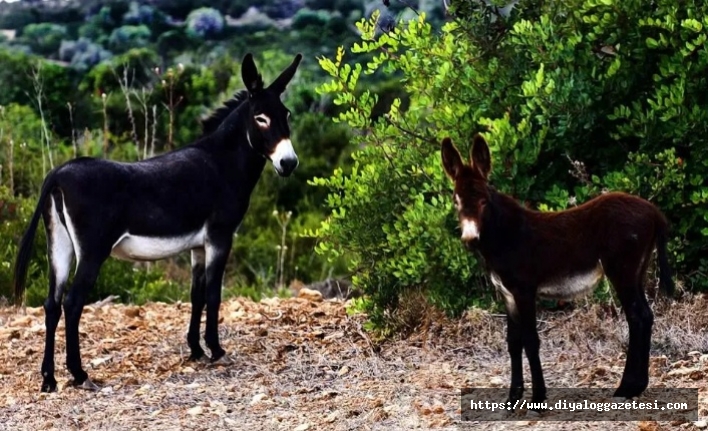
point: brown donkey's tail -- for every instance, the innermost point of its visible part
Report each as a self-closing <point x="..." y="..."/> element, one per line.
<point x="665" y="280"/>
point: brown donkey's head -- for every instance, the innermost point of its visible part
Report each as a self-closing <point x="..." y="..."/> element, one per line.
<point x="471" y="191"/>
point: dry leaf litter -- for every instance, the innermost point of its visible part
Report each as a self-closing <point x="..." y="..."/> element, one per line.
<point x="304" y="364"/>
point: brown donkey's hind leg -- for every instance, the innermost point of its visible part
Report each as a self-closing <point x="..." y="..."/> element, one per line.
<point x="627" y="275"/>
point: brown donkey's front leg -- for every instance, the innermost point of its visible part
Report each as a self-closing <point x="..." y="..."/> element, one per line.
<point x="522" y="335"/>
<point x="532" y="343"/>
<point x="514" y="339"/>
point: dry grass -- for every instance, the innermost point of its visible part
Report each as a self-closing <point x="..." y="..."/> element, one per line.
<point x="296" y="363"/>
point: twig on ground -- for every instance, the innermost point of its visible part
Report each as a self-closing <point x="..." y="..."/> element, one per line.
<point x="280" y="315"/>
<point x="362" y="334"/>
<point x="105" y="301"/>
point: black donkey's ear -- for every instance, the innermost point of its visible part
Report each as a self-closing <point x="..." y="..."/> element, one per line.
<point x="249" y="73"/>
<point x="278" y="86"/>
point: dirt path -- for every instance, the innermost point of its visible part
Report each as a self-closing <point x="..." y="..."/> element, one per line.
<point x="297" y="365"/>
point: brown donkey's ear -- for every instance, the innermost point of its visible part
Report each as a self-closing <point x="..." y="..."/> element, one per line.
<point x="451" y="159"/>
<point x="479" y="154"/>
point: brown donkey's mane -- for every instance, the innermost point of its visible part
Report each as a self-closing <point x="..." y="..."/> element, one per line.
<point x="559" y="254"/>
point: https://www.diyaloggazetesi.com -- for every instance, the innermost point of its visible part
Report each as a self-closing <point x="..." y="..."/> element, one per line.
<point x="577" y="406"/>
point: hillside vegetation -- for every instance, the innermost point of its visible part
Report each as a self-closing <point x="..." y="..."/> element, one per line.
<point x="126" y="80"/>
<point x="575" y="98"/>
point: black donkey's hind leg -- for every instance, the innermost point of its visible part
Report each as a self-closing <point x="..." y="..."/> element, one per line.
<point x="198" y="297"/>
<point x="61" y="253"/>
<point x="84" y="280"/>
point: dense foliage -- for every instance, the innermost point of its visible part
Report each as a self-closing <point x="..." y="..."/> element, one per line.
<point x="137" y="113"/>
<point x="574" y="98"/>
<point x="129" y="79"/>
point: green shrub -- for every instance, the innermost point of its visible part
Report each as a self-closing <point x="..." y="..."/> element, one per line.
<point x="618" y="86"/>
<point x="44" y="38"/>
<point x="55" y="83"/>
<point x="82" y="54"/>
<point x="15" y="213"/>
<point x="128" y="37"/>
<point x="22" y="149"/>
<point x="306" y="18"/>
<point x="99" y="26"/>
<point x="205" y="22"/>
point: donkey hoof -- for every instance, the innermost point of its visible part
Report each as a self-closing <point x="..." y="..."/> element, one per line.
<point x="223" y="361"/>
<point x="627" y="393"/>
<point x="537" y="411"/>
<point x="49" y="385"/>
<point x="87" y="385"/>
<point x="220" y="358"/>
<point x="196" y="355"/>
<point x="515" y="396"/>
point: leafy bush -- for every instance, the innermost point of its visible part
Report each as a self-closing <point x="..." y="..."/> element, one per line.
<point x="128" y="37"/>
<point x="102" y="78"/>
<point x="256" y="264"/>
<point x="16" y="17"/>
<point x="616" y="86"/>
<point x="14" y="77"/>
<point x="24" y="153"/>
<point x="17" y="75"/>
<point x="205" y="23"/>
<point x="99" y="26"/>
<point x="14" y="216"/>
<point x="82" y="54"/>
<point x="305" y="18"/>
<point x="280" y="9"/>
<point x="74" y="114"/>
<point x="237" y="8"/>
<point x="180" y="9"/>
<point x="172" y="42"/>
<point x="44" y="38"/>
<point x="343" y="6"/>
<point x="139" y="14"/>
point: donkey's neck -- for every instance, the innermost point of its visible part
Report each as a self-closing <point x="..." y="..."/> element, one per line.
<point x="249" y="164"/>
<point x="503" y="226"/>
<point x="233" y="152"/>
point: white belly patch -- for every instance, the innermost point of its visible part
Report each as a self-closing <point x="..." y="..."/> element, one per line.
<point x="573" y="286"/>
<point x="142" y="248"/>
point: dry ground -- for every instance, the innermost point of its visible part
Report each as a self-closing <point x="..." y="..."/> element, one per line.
<point x="297" y="364"/>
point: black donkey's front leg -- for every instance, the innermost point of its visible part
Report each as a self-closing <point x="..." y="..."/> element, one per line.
<point x="217" y="253"/>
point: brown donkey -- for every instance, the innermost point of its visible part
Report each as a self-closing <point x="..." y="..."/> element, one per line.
<point x="559" y="255"/>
